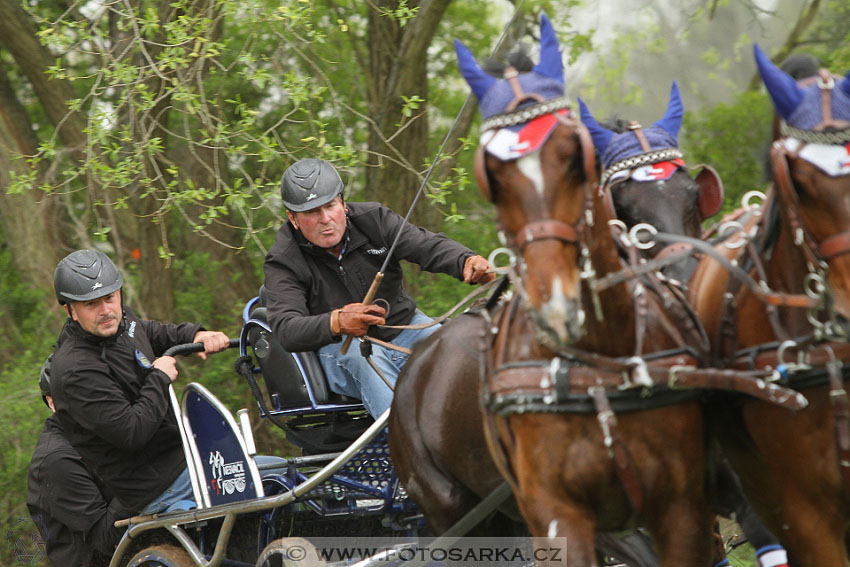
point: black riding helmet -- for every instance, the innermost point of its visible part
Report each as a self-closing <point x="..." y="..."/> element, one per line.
<point x="85" y="275"/>
<point x="308" y="184"/>
<point x="44" y="379"/>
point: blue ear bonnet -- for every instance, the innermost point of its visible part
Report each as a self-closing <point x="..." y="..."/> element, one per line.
<point x="808" y="114"/>
<point x="614" y="147"/>
<point x="545" y="79"/>
<point x="499" y="95"/>
<point x="626" y="144"/>
<point x="800" y="107"/>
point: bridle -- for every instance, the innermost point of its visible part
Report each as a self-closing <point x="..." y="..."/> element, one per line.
<point x="547" y="229"/>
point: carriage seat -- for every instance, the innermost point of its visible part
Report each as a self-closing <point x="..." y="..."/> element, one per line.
<point x="321" y="421"/>
<point x="296" y="380"/>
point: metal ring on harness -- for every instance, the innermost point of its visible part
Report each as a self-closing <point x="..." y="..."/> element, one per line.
<point x="496" y="253"/>
<point x="815" y="287"/>
<point x="801" y="356"/>
<point x="745" y="200"/>
<point x="636" y="230"/>
<point x="728" y="229"/>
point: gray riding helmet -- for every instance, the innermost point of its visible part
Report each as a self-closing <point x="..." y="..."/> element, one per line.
<point x="85" y="275"/>
<point x="44" y="379"/>
<point x="308" y="184"/>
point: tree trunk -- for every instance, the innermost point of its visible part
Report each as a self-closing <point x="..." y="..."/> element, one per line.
<point x="398" y="68"/>
<point x="26" y="217"/>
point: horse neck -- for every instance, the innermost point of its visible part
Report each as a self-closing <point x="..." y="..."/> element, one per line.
<point x="614" y="333"/>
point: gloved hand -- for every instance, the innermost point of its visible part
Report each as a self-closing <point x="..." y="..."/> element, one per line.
<point x="476" y="269"/>
<point x="355" y="319"/>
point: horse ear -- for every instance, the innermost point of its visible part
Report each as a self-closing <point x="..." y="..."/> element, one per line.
<point x="710" y="197"/>
<point x="601" y="136"/>
<point x="478" y="80"/>
<point x="782" y="88"/>
<point x="672" y="120"/>
<point x="551" y="64"/>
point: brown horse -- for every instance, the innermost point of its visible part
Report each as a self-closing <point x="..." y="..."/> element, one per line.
<point x="794" y="466"/>
<point x="564" y="478"/>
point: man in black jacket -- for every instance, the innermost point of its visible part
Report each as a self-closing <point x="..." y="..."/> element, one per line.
<point x="72" y="510"/>
<point x="110" y="386"/>
<point x="321" y="265"/>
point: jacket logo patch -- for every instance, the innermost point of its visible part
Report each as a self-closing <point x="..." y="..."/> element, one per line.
<point x="132" y="330"/>
<point x="377" y="251"/>
<point x="226" y="477"/>
<point x="143" y="360"/>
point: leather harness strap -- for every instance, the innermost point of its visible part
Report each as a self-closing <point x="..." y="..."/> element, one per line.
<point x="636" y="128"/>
<point x="546" y="230"/>
<point x="617" y="450"/>
<point x="841" y="413"/>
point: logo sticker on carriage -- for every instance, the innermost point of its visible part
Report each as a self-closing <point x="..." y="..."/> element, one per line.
<point x="226" y="477"/>
<point x="507" y="144"/>
<point x="834" y="160"/>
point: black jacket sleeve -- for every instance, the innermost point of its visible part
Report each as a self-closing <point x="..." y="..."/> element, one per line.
<point x="165" y="335"/>
<point x="91" y="398"/>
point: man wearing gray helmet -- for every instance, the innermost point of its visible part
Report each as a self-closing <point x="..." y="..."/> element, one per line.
<point x="110" y="386"/>
<point x="323" y="262"/>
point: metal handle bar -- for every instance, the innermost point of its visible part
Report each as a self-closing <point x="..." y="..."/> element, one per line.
<point x="189" y="348"/>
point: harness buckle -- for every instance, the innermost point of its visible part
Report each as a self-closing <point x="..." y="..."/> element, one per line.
<point x="640" y="373"/>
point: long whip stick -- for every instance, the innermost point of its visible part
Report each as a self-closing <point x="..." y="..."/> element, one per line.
<point x="376" y="282"/>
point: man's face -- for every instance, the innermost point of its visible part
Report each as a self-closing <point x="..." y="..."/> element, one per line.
<point x="323" y="226"/>
<point x="100" y="316"/>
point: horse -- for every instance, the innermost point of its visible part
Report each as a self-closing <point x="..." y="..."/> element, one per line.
<point x="776" y="295"/>
<point x="549" y="204"/>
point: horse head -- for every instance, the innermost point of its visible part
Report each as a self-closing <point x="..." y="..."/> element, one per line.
<point x="645" y="180"/>
<point x="811" y="171"/>
<point x="535" y="167"/>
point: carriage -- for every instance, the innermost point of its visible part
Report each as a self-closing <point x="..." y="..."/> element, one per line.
<point x="256" y="510"/>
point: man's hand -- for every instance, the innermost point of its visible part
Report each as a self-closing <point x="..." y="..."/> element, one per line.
<point x="477" y="270"/>
<point x="214" y="341"/>
<point x="355" y="319"/>
<point x="168" y="365"/>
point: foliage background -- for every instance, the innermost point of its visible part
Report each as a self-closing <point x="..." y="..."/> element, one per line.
<point x="158" y="131"/>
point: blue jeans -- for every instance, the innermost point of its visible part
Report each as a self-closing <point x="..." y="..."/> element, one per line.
<point x="179" y="496"/>
<point x="351" y="374"/>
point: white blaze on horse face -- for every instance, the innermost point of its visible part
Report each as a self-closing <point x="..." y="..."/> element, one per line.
<point x="530" y="166"/>
<point x="552" y="533"/>
<point x="555" y="311"/>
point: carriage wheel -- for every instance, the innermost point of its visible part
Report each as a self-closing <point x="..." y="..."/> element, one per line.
<point x="289" y="552"/>
<point x="161" y="556"/>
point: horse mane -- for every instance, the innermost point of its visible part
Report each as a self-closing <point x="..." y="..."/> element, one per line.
<point x="518" y="58"/>
<point x="616" y="124"/>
